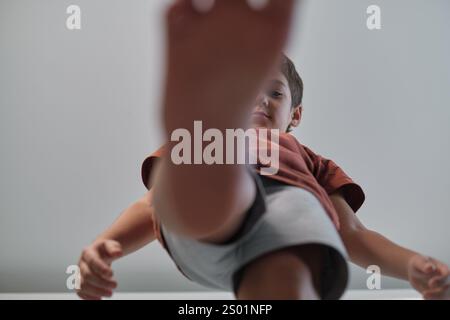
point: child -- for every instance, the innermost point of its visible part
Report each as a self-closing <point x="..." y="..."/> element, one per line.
<point x="285" y="236"/>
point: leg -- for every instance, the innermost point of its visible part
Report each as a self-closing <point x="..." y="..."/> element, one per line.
<point x="288" y="274"/>
<point x="214" y="72"/>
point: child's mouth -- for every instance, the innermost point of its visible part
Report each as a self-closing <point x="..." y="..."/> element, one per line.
<point x="260" y="114"/>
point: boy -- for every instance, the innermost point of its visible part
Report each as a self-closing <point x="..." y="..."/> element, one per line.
<point x="284" y="236"/>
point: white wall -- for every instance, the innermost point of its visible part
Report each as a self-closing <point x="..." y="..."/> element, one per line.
<point x="79" y="112"/>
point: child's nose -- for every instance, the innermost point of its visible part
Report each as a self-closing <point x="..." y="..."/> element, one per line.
<point x="262" y="100"/>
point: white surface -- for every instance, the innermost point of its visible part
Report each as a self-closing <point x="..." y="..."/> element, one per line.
<point x="350" y="295"/>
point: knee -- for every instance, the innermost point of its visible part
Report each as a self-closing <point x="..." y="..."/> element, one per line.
<point x="278" y="275"/>
<point x="203" y="212"/>
<point x="194" y="225"/>
<point x="187" y="217"/>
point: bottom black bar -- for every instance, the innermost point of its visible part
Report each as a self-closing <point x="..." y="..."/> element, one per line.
<point x="216" y="309"/>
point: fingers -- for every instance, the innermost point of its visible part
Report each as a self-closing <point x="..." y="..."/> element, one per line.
<point x="91" y="286"/>
<point x="442" y="293"/>
<point x="421" y="273"/>
<point x="90" y="277"/>
<point x="440" y="273"/>
<point x="432" y="277"/>
<point x="429" y="268"/>
<point x="96" y="264"/>
<point x="93" y="291"/>
<point x="441" y="267"/>
<point x="96" y="274"/>
<point x="87" y="297"/>
<point x="424" y="265"/>
<point x="443" y="277"/>
<point x="111" y="250"/>
<point x="438" y="281"/>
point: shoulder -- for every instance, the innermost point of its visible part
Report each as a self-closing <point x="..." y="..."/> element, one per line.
<point x="149" y="164"/>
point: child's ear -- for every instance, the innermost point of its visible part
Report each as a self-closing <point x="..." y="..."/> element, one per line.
<point x="296" y="115"/>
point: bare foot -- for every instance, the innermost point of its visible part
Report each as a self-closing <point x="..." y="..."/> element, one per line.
<point x="218" y="60"/>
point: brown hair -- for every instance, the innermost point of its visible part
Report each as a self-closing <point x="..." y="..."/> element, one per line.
<point x="294" y="80"/>
<point x="295" y="83"/>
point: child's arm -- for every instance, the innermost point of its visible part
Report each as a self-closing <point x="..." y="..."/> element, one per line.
<point x="366" y="247"/>
<point x="131" y="231"/>
<point x="134" y="227"/>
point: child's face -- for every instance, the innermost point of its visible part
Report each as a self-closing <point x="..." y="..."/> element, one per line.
<point x="273" y="107"/>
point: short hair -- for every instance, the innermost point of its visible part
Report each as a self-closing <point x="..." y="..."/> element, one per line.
<point x="294" y="80"/>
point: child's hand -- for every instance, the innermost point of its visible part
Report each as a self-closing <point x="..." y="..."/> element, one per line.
<point x="95" y="269"/>
<point x="430" y="277"/>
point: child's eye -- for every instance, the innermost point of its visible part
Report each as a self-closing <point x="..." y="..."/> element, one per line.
<point x="276" y="94"/>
